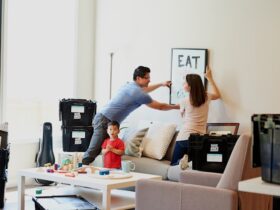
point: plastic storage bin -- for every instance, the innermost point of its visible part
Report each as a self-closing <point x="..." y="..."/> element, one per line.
<point x="4" y="159"/>
<point x="76" y="139"/>
<point x="2" y="192"/>
<point x="77" y="112"/>
<point x="3" y="139"/>
<point x="211" y="153"/>
<point x="266" y="133"/>
<point x="65" y="202"/>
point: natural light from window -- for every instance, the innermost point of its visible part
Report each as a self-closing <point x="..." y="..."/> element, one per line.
<point x="40" y="68"/>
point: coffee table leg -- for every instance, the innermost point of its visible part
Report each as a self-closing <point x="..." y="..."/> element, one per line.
<point x="106" y="199"/>
<point x="21" y="189"/>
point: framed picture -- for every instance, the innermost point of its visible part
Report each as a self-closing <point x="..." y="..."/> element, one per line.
<point x="185" y="61"/>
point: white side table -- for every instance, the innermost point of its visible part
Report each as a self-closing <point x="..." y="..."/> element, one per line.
<point x="257" y="185"/>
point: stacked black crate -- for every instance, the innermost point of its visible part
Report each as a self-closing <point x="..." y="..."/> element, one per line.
<point x="211" y="153"/>
<point x="266" y="136"/>
<point x="76" y="116"/>
<point x="4" y="159"/>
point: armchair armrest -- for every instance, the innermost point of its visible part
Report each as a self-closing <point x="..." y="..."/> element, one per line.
<point x="164" y="195"/>
<point x="157" y="195"/>
<point x="211" y="198"/>
<point x="200" y="178"/>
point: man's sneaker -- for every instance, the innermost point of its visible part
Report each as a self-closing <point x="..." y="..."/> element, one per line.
<point x="184" y="162"/>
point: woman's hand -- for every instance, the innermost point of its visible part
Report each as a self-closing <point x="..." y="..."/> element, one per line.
<point x="216" y="93"/>
<point x="208" y="74"/>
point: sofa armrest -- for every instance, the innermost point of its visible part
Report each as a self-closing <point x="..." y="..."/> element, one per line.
<point x="200" y="178"/>
<point x="164" y="195"/>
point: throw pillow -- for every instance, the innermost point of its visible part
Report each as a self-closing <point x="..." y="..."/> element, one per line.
<point x="157" y="140"/>
<point x="133" y="140"/>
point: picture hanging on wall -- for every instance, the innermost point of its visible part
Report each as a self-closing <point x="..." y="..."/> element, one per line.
<point x="185" y="61"/>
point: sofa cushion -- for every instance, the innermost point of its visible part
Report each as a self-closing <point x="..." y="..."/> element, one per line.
<point x="149" y="165"/>
<point x="157" y="140"/>
<point x="133" y="140"/>
<point x="170" y="150"/>
<point x="175" y="171"/>
<point x="142" y="165"/>
<point x="98" y="162"/>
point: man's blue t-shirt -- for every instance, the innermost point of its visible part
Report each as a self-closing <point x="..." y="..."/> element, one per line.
<point x="129" y="97"/>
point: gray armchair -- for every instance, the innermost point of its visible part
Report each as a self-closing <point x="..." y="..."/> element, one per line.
<point x="197" y="190"/>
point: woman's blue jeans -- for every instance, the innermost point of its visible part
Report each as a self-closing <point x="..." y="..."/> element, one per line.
<point x="181" y="148"/>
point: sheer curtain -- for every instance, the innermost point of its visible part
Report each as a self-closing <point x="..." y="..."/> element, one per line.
<point x="40" y="64"/>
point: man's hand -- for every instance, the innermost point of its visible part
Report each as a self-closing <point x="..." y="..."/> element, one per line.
<point x="162" y="106"/>
<point x="155" y="86"/>
<point x="167" y="84"/>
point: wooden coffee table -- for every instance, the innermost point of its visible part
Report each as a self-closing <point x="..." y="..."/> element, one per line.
<point x="102" y="192"/>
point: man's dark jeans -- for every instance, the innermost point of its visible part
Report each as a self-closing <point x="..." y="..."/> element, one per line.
<point x="99" y="135"/>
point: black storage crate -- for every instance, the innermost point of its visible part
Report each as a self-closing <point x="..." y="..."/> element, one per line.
<point x="4" y="160"/>
<point x="211" y="153"/>
<point x="65" y="202"/>
<point x="77" y="112"/>
<point x="76" y="138"/>
<point x="2" y="192"/>
<point x="266" y="136"/>
<point x="3" y="139"/>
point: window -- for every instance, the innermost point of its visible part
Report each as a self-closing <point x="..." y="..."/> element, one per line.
<point x="40" y="64"/>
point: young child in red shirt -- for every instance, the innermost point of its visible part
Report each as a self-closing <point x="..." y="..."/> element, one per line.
<point x="113" y="147"/>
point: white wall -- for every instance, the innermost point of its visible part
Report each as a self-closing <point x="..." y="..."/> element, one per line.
<point x="85" y="48"/>
<point x="242" y="37"/>
<point x="22" y="155"/>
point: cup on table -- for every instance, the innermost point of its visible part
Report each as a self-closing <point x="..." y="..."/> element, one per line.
<point x="127" y="166"/>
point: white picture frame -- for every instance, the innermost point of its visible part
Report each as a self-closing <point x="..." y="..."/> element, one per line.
<point x="185" y="61"/>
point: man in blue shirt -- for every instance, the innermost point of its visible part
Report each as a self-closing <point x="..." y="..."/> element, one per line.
<point x="129" y="97"/>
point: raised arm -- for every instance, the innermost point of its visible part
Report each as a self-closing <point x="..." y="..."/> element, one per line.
<point x="216" y="93"/>
<point x="162" y="106"/>
<point x="152" y="87"/>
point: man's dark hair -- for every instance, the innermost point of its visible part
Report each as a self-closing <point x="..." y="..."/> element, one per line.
<point x="114" y="123"/>
<point x="140" y="71"/>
